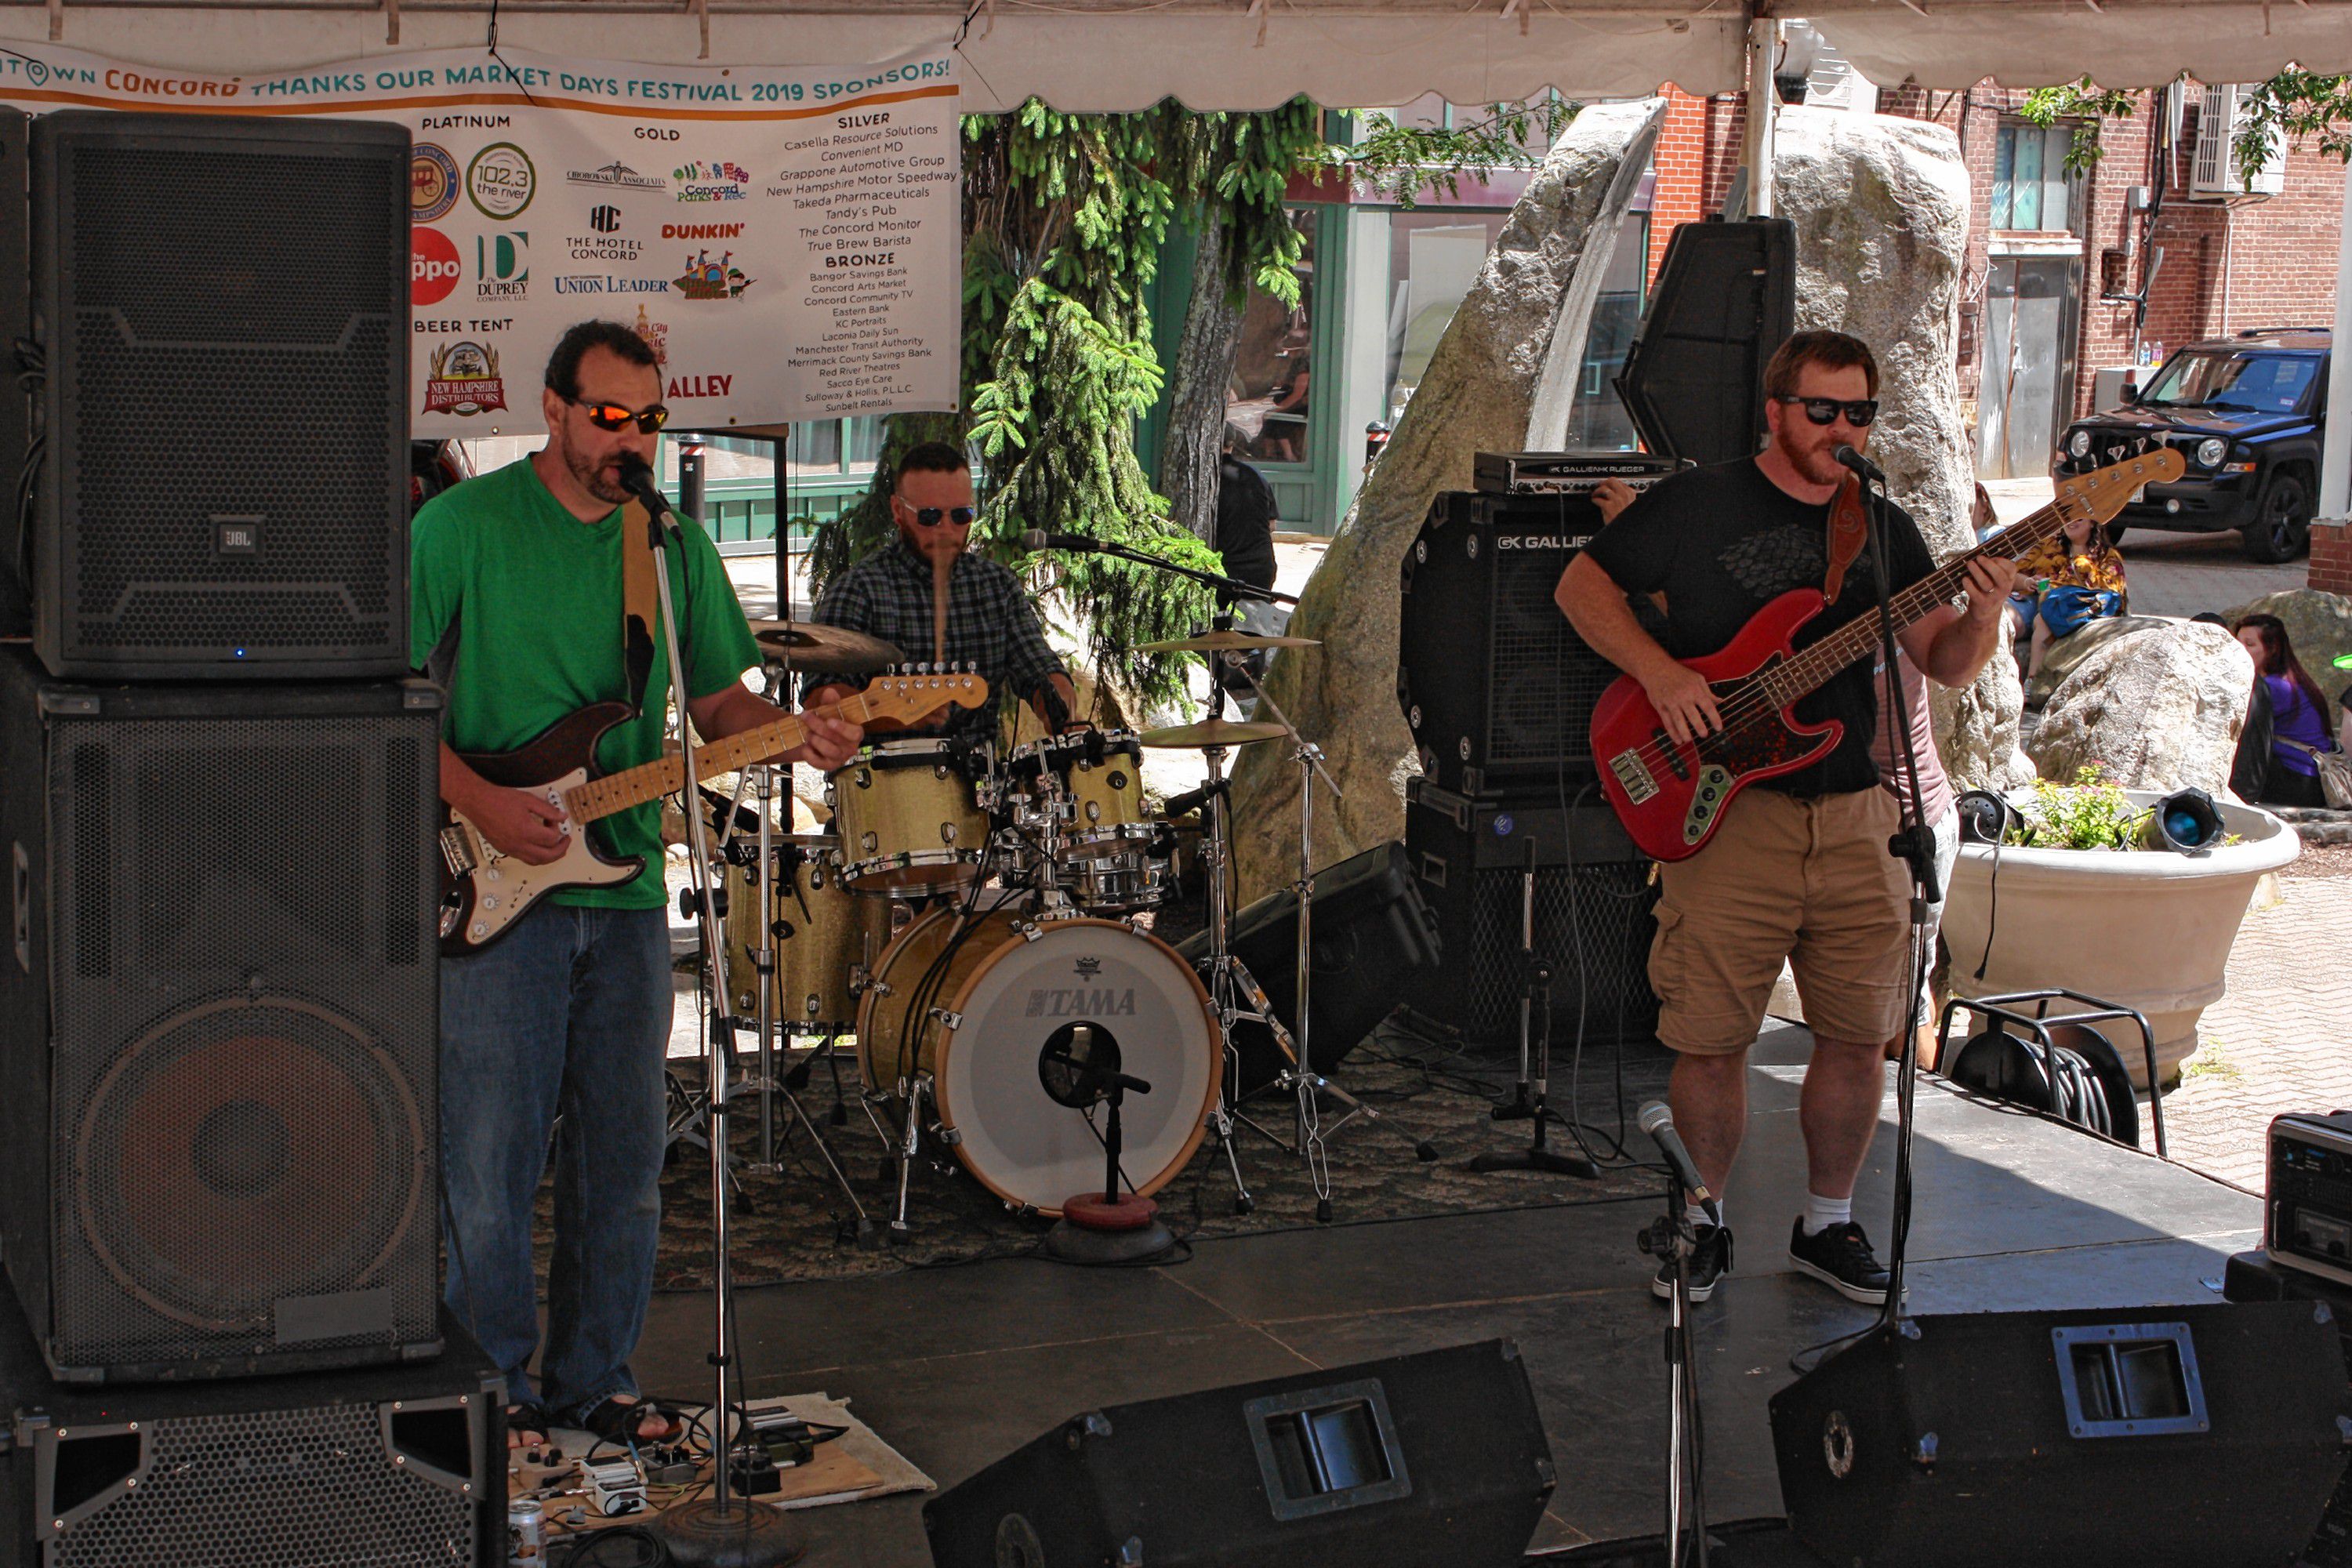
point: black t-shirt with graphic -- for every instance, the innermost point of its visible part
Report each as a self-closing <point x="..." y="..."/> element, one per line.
<point x="1720" y="542"/>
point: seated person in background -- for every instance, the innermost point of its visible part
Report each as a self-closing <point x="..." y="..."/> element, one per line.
<point x="2299" y="714"/>
<point x="2071" y="580"/>
<point x="2250" y="765"/>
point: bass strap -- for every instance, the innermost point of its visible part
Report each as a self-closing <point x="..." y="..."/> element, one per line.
<point x="1849" y="532"/>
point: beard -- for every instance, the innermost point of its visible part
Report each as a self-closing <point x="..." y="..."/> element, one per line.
<point x="590" y="477"/>
<point x="1814" y="463"/>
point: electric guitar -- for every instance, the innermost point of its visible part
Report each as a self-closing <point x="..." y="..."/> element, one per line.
<point x="1671" y="795"/>
<point x="484" y="891"/>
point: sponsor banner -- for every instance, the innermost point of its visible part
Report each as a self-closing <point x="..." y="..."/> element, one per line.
<point x="788" y="240"/>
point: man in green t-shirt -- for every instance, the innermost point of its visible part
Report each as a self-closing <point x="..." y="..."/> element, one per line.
<point x="517" y="607"/>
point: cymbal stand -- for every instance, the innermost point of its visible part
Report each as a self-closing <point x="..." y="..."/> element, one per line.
<point x="1311" y="1137"/>
<point x="1230" y="984"/>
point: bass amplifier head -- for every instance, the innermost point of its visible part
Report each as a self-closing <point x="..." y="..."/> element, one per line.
<point x="2307" y="1212"/>
<point x="1566" y="473"/>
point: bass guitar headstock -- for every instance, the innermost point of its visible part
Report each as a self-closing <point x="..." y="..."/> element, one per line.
<point x="2105" y="491"/>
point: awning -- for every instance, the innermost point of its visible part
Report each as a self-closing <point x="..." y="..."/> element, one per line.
<point x="1109" y="55"/>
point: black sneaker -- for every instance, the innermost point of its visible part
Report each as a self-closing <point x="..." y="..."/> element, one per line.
<point x="1841" y="1258"/>
<point x="1711" y="1261"/>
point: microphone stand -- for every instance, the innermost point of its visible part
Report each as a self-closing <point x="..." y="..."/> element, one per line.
<point x="1232" y="585"/>
<point x="1914" y="846"/>
<point x="1670" y="1237"/>
<point x="718" y="1531"/>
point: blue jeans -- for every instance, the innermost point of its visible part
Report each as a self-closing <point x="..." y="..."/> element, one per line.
<point x="567" y="1014"/>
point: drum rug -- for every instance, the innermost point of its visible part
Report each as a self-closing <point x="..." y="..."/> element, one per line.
<point x="796" y="1225"/>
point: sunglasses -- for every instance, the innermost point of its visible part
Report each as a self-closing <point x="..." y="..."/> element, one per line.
<point x="613" y="416"/>
<point x="1825" y="410"/>
<point x="932" y="516"/>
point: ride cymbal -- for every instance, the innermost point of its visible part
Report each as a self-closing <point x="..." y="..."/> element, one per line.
<point x="824" y="650"/>
<point x="1226" y="642"/>
<point x="1212" y="732"/>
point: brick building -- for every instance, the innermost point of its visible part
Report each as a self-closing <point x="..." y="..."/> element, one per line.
<point x="2046" y="249"/>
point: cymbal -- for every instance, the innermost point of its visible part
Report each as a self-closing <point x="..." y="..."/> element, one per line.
<point x="1212" y="732"/>
<point x="1226" y="642"/>
<point x="823" y="649"/>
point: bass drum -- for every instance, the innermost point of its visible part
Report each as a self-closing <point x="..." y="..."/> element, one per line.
<point x="1008" y="987"/>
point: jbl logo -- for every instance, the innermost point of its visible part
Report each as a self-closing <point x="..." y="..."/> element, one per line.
<point x="236" y="535"/>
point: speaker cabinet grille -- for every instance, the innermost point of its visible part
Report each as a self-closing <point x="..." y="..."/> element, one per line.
<point x="227" y="317"/>
<point x="238" y="1029"/>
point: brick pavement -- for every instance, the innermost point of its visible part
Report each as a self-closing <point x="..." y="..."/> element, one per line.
<point x="2277" y="1040"/>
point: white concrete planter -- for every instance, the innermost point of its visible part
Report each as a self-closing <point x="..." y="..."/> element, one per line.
<point x="2141" y="928"/>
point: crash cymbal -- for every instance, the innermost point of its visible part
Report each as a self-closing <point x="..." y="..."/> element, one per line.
<point x="1226" y="642"/>
<point x="824" y="650"/>
<point x="1211" y="732"/>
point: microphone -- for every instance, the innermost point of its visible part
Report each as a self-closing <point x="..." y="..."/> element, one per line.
<point x="1037" y="539"/>
<point x="1848" y="458"/>
<point x="1659" y="1124"/>
<point x="638" y="480"/>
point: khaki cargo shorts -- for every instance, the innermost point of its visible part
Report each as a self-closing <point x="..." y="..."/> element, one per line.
<point x="1806" y="880"/>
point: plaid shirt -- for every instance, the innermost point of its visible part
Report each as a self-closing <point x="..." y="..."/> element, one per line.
<point x="991" y="625"/>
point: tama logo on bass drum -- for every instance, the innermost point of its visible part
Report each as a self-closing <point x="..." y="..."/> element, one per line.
<point x="1542" y="541"/>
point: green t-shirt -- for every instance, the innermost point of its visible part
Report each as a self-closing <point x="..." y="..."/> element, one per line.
<point x="536" y="594"/>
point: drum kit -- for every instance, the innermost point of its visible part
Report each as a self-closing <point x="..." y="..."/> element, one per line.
<point x="964" y="917"/>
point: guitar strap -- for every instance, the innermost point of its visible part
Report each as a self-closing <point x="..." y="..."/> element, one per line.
<point x="640" y="602"/>
<point x="1849" y="532"/>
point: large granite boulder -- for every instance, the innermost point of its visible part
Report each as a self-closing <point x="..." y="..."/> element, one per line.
<point x="1478" y="395"/>
<point x="2158" y="709"/>
<point x="2319" y="625"/>
<point x="1880" y="207"/>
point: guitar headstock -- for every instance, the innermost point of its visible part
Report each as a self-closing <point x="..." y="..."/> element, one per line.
<point x="2104" y="491"/>
<point x="918" y="689"/>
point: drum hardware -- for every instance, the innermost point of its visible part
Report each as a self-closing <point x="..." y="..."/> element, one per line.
<point x="1225" y="640"/>
<point x="1530" y="1100"/>
<point x="1079" y="1068"/>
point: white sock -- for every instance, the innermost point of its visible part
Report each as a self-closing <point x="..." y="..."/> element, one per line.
<point x="1697" y="1215"/>
<point x="1821" y="1213"/>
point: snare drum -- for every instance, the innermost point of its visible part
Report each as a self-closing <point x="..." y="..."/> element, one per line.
<point x="1003" y="992"/>
<point x="908" y="818"/>
<point x="824" y="935"/>
<point x="1113" y="858"/>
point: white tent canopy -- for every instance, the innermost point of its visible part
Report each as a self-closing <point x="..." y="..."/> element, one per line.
<point x="1254" y="54"/>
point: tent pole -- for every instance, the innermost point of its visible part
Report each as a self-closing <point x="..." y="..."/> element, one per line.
<point x="1763" y="108"/>
<point x="2336" y="446"/>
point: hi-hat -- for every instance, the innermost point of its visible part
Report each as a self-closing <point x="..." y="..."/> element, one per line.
<point x="824" y="650"/>
<point x="1212" y="732"/>
<point x="1226" y="642"/>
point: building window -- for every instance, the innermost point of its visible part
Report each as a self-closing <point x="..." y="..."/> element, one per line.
<point x="1597" y="421"/>
<point x="2030" y="189"/>
<point x="1433" y="259"/>
<point x="1271" y="399"/>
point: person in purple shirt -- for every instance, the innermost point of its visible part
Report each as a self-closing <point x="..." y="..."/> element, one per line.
<point x="2299" y="713"/>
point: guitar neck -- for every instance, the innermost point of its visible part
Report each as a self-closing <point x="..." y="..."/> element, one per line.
<point x="650" y="780"/>
<point x="1811" y="668"/>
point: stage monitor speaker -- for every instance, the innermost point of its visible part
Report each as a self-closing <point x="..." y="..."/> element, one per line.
<point x="217" y="1023"/>
<point x="1594" y="913"/>
<point x="1416" y="1461"/>
<point x="1496" y="686"/>
<point x="2128" y="1438"/>
<point x="395" y="1466"/>
<point x="222" y="306"/>
<point x="1372" y="932"/>
<point x="1693" y="376"/>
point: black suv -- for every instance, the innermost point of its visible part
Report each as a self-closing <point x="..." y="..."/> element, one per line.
<point x="2244" y="413"/>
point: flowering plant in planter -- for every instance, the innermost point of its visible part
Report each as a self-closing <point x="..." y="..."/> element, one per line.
<point x="2092" y="812"/>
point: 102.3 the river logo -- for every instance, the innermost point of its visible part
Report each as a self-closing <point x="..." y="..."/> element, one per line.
<point x="1082" y="1001"/>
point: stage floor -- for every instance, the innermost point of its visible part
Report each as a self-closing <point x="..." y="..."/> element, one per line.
<point x="956" y="1367"/>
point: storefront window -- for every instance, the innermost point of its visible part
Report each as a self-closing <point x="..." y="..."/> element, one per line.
<point x="1597" y="421"/>
<point x="1433" y="259"/>
<point x="1270" y="399"/>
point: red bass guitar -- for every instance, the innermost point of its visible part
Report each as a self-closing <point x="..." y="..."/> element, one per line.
<point x="1671" y="795"/>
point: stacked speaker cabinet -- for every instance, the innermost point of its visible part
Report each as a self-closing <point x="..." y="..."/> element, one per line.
<point x="1498" y="691"/>
<point x="219" y="1001"/>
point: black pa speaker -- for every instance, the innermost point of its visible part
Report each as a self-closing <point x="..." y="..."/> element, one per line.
<point x="1594" y="913"/>
<point x="2133" y="1437"/>
<point x="1369" y="931"/>
<point x="1495" y="685"/>
<point x="395" y="1466"/>
<point x="2252" y="1276"/>
<point x="217" y="1023"/>
<point x="222" y="306"/>
<point x="1416" y="1461"/>
<point x="1726" y="299"/>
